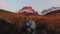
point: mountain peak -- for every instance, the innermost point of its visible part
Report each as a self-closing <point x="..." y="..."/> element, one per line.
<point x="52" y="9"/>
<point x="27" y="9"/>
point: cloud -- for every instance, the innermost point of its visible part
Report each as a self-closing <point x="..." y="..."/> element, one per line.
<point x="4" y="5"/>
<point x="56" y="1"/>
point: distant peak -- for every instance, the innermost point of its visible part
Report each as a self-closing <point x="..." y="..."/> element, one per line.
<point x="27" y="9"/>
<point x="46" y="11"/>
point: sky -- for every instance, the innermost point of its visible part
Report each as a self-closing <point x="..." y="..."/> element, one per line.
<point x="38" y="5"/>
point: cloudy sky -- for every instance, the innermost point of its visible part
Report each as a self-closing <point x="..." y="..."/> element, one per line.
<point x="38" y="5"/>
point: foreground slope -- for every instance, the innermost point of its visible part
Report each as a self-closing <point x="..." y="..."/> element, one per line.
<point x="50" y="20"/>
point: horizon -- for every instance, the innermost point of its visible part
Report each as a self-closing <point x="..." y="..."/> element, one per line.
<point x="37" y="5"/>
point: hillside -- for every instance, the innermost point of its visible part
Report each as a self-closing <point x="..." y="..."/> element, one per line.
<point x="51" y="20"/>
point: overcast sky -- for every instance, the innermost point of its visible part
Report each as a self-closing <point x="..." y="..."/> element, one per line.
<point x="38" y="5"/>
